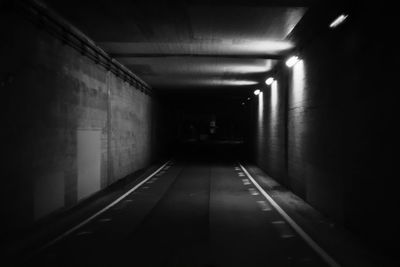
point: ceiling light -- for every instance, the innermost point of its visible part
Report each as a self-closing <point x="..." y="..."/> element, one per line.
<point x="339" y="20"/>
<point x="292" y="61"/>
<point x="257" y="92"/>
<point x="269" y="81"/>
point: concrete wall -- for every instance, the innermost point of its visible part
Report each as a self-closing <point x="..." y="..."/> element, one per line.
<point x="69" y="128"/>
<point x="270" y="140"/>
<point x="338" y="143"/>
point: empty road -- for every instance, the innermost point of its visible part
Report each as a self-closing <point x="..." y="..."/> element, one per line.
<point x="189" y="213"/>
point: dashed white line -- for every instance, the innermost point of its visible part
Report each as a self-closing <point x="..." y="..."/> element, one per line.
<point x="73" y="229"/>
<point x="264" y="205"/>
<point x="246" y="181"/>
<point x="283" y="228"/>
<point x="253" y="192"/>
<point x="322" y="253"/>
<point x="287" y="236"/>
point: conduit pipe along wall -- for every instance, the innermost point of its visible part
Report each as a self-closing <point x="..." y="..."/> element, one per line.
<point x="74" y="120"/>
<point x="339" y="119"/>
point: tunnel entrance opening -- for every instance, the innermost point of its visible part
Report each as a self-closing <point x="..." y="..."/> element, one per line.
<point x="205" y="124"/>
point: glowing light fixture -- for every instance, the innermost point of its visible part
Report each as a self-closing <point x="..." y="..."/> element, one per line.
<point x="269" y="81"/>
<point x="292" y="61"/>
<point x="257" y="92"/>
<point x="339" y="20"/>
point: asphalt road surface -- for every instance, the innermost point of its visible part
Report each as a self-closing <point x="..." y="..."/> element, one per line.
<point x="190" y="213"/>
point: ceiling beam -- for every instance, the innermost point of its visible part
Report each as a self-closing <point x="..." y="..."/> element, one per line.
<point x="142" y="55"/>
<point x="257" y="3"/>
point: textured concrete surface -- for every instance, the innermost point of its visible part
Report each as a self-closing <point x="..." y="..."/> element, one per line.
<point x="327" y="131"/>
<point x="339" y="136"/>
<point x="131" y="122"/>
<point x="69" y="127"/>
<point x="269" y="140"/>
<point x="343" y="245"/>
<point x="192" y="213"/>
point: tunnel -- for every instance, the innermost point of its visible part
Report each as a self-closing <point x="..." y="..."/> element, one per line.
<point x="199" y="133"/>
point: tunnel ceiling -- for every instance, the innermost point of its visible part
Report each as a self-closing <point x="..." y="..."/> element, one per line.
<point x="190" y="44"/>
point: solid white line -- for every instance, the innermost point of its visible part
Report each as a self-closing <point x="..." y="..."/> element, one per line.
<point x="73" y="229"/>
<point x="287" y="236"/>
<point x="325" y="256"/>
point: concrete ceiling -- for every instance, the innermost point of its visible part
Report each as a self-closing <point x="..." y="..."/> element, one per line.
<point x="190" y="44"/>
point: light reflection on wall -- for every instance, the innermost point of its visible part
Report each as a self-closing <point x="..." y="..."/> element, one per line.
<point x="298" y="84"/>
<point x="274" y="96"/>
<point x="296" y="122"/>
<point x="181" y="81"/>
<point x="260" y="107"/>
<point x="260" y="124"/>
<point x="274" y="110"/>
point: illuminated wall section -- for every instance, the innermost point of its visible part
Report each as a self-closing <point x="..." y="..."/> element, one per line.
<point x="297" y="92"/>
<point x="260" y="125"/>
<point x="297" y="165"/>
<point x="274" y="111"/>
<point x="276" y="135"/>
<point x="271" y="130"/>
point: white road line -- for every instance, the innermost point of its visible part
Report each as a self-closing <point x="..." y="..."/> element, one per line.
<point x="253" y="192"/>
<point x="263" y="205"/>
<point x="278" y="222"/>
<point x="73" y="229"/>
<point x="322" y="253"/>
<point x="246" y="181"/>
<point x="284" y="229"/>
